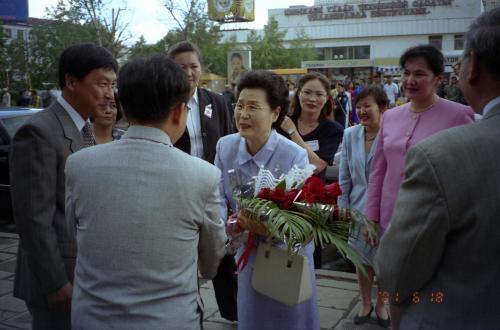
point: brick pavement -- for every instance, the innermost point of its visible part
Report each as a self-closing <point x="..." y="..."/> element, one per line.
<point x="338" y="298"/>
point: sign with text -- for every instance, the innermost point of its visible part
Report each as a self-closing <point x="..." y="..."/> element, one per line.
<point x="378" y="9"/>
<point x="14" y="10"/>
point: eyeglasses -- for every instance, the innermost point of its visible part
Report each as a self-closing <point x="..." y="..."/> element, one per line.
<point x="309" y="94"/>
<point x="250" y="108"/>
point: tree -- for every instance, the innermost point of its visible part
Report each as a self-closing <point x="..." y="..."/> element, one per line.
<point x="107" y="29"/>
<point x="269" y="52"/>
<point x="192" y="24"/>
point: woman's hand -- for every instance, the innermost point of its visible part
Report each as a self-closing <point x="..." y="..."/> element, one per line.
<point x="288" y="126"/>
<point x="371" y="239"/>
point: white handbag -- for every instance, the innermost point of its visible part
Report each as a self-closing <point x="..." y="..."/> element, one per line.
<point x="281" y="276"/>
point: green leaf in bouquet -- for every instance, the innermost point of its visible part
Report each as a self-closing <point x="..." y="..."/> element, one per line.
<point x="281" y="185"/>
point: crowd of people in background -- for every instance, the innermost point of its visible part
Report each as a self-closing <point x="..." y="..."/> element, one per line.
<point x="116" y="226"/>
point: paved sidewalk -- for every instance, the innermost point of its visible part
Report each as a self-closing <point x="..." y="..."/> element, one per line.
<point x="338" y="297"/>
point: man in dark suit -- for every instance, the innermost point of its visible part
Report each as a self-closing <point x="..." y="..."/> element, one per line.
<point x="208" y="120"/>
<point x="439" y="257"/>
<point x="47" y="250"/>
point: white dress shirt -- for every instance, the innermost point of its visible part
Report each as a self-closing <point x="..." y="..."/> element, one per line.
<point x="194" y="126"/>
<point x="75" y="116"/>
<point x="490" y="105"/>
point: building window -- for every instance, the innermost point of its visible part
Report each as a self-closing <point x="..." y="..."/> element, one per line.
<point x="436" y="41"/>
<point x="361" y="52"/>
<point x="459" y="41"/>
<point x="340" y="53"/>
<point x="20" y="34"/>
<point x="7" y="33"/>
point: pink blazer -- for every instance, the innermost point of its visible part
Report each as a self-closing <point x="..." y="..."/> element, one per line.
<point x="400" y="130"/>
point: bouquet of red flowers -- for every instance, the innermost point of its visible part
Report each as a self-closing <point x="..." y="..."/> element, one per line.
<point x="301" y="213"/>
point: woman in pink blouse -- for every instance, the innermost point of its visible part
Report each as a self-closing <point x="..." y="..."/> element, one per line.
<point x="404" y="126"/>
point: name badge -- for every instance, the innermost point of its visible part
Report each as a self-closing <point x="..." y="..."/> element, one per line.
<point x="313" y="144"/>
<point x="208" y="111"/>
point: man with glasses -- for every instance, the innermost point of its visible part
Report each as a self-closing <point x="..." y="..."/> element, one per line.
<point x="439" y="257"/>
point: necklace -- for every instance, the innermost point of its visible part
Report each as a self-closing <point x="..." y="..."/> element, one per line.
<point x="413" y="109"/>
<point x="368" y="139"/>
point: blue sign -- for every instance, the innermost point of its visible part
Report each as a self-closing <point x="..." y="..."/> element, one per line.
<point x="14" y="10"/>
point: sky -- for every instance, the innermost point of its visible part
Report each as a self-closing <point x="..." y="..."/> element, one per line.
<point x="151" y="19"/>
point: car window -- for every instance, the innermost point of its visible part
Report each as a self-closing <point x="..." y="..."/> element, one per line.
<point x="13" y="124"/>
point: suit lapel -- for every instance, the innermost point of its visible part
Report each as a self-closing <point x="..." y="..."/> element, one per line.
<point x="69" y="128"/>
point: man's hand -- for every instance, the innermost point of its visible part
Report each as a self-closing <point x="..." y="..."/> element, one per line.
<point x="60" y="300"/>
<point x="371" y="239"/>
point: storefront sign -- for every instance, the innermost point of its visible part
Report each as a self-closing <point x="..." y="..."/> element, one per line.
<point x="379" y="9"/>
<point x="336" y="64"/>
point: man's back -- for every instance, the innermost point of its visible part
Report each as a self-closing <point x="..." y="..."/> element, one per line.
<point x="145" y="211"/>
<point x="460" y="241"/>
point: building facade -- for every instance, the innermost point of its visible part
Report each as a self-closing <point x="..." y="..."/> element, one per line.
<point x="361" y="38"/>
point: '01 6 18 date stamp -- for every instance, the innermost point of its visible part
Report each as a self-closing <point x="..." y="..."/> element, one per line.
<point x="415" y="298"/>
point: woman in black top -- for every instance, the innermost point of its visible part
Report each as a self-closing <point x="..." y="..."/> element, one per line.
<point x="309" y="126"/>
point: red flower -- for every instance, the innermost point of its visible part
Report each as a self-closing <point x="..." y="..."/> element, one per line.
<point x="277" y="195"/>
<point x="313" y="190"/>
<point x="332" y="191"/>
<point x="289" y="198"/>
<point x="264" y="193"/>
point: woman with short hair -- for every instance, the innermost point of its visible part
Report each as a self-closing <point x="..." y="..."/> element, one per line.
<point x="261" y="107"/>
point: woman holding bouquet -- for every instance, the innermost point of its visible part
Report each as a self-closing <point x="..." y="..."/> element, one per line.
<point x="403" y="127"/>
<point x="358" y="147"/>
<point x="262" y="104"/>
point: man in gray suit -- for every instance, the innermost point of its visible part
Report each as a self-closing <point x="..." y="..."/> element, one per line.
<point x="46" y="255"/>
<point x="146" y="213"/>
<point x="439" y="257"/>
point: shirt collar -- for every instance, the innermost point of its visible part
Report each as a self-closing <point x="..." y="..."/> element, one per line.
<point x="490" y="105"/>
<point x="147" y="133"/>
<point x="262" y="157"/>
<point x="75" y="116"/>
<point x="194" y="98"/>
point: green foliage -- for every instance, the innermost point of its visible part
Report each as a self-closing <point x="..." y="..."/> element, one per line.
<point x="269" y="52"/>
<point x="311" y="221"/>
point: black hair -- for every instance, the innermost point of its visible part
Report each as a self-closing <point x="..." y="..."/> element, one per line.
<point x="483" y="38"/>
<point x="183" y="47"/>
<point x="149" y="88"/>
<point x="236" y="55"/>
<point x="431" y="55"/>
<point x="119" y="110"/>
<point x="80" y="59"/>
<point x="327" y="108"/>
<point x="273" y="85"/>
<point x="378" y="94"/>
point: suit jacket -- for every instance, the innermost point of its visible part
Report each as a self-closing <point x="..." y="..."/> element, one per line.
<point x="440" y="254"/>
<point x="147" y="216"/>
<point x="212" y="128"/>
<point x="46" y="255"/>
<point x="400" y="130"/>
<point x="354" y="169"/>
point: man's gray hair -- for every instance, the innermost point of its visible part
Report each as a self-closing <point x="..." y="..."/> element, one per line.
<point x="483" y="38"/>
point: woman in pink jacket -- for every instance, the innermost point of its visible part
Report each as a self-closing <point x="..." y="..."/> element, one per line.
<point x="404" y="126"/>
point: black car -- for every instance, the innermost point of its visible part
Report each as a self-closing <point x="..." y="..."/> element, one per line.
<point x="10" y="121"/>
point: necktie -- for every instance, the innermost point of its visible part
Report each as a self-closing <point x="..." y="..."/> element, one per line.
<point x="88" y="135"/>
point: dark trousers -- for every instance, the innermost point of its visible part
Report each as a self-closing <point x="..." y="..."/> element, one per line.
<point x="226" y="288"/>
<point x="45" y="319"/>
